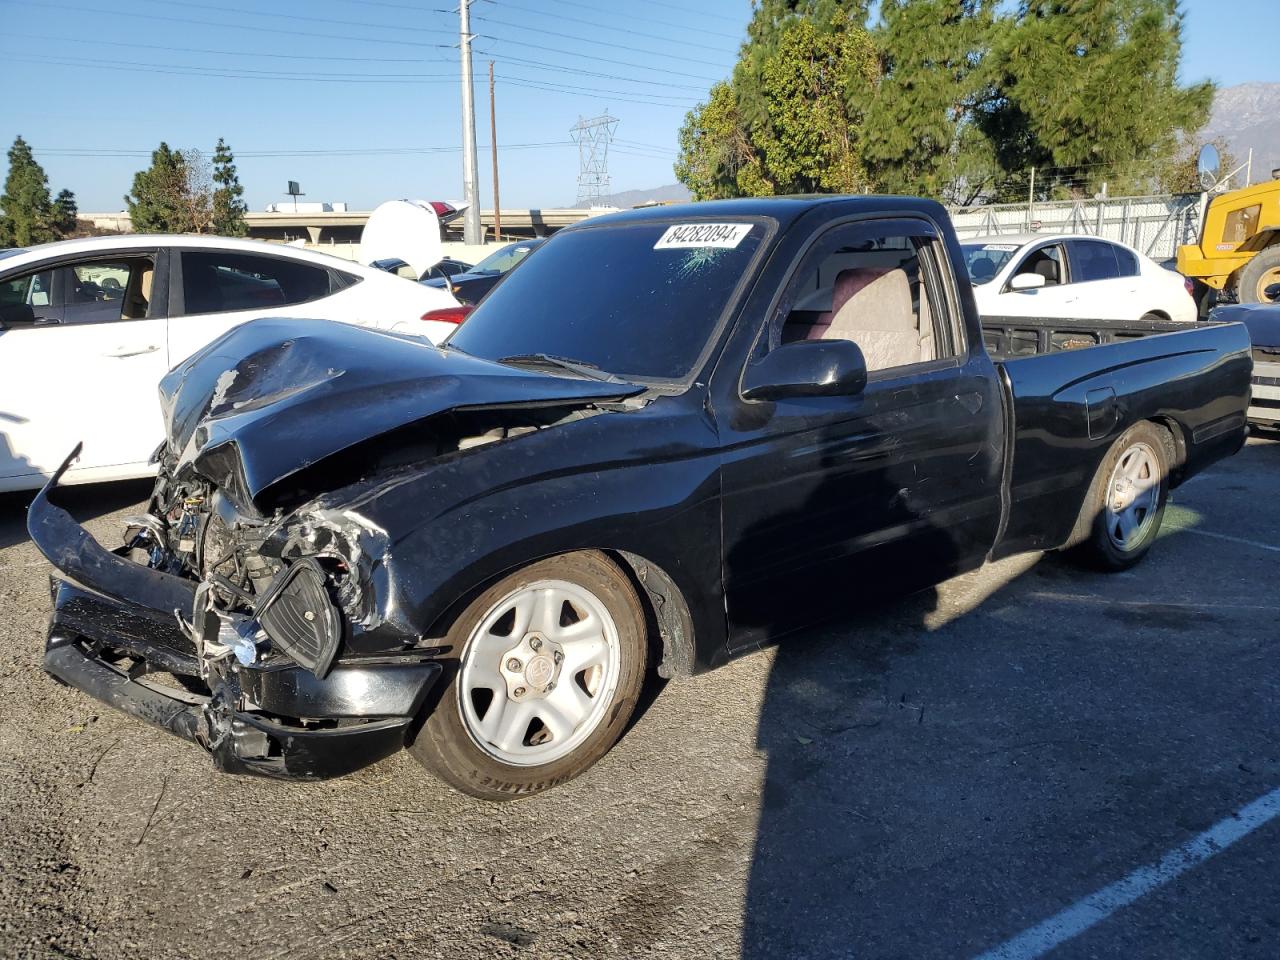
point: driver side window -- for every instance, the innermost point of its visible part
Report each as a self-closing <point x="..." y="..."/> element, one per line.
<point x="1046" y="261"/>
<point x="874" y="284"/>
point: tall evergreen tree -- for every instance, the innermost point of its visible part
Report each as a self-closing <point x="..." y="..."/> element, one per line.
<point x="790" y="121"/>
<point x="162" y="197"/>
<point x="26" y="213"/>
<point x="64" y="213"/>
<point x="1090" y="90"/>
<point x="922" y="133"/>
<point x="228" y="205"/>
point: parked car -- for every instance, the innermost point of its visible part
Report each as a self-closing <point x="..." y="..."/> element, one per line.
<point x="471" y="285"/>
<point x="446" y="268"/>
<point x="88" y="327"/>
<point x="1061" y="276"/>
<point x="747" y="416"/>
<point x="1263" y="322"/>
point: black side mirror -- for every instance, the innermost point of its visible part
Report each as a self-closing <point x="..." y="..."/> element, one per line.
<point x="807" y="368"/>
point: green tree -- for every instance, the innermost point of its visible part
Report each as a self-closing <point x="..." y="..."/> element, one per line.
<point x="1089" y="89"/>
<point x="1180" y="173"/>
<point x="26" y="213"/>
<point x="228" y="204"/>
<point x="790" y="120"/>
<point x="173" y="195"/>
<point x="923" y="131"/>
<point x="814" y="84"/>
<point x="64" y="213"/>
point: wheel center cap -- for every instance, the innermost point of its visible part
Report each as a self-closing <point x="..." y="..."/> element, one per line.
<point x="539" y="671"/>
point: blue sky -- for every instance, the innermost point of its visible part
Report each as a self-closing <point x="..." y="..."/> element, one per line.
<point x="359" y="99"/>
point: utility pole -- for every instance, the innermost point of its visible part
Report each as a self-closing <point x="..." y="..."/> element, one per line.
<point x="471" y="231"/>
<point x="493" y="148"/>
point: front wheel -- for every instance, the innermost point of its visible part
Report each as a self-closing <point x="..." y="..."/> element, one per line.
<point x="1126" y="500"/>
<point x="551" y="663"/>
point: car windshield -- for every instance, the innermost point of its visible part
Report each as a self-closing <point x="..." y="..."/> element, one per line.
<point x="985" y="259"/>
<point x="637" y="300"/>
<point x="504" y="259"/>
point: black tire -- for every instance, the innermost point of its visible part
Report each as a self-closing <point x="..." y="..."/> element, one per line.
<point x="445" y="747"/>
<point x="1259" y="275"/>
<point x="1152" y="317"/>
<point x="1097" y="542"/>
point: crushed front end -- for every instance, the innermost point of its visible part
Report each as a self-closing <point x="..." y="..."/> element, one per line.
<point x="234" y="631"/>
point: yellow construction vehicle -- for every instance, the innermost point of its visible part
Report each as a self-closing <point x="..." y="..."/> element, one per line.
<point x="1238" y="255"/>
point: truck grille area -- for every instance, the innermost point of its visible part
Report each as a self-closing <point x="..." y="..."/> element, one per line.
<point x="300" y="619"/>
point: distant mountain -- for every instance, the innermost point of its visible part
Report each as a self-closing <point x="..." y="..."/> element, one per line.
<point x="1249" y="116"/>
<point x="629" y="198"/>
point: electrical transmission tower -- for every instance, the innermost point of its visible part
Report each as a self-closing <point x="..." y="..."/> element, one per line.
<point x="593" y="137"/>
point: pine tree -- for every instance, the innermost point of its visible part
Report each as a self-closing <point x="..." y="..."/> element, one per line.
<point x="159" y="200"/>
<point x="922" y="134"/>
<point x="64" y="213"/>
<point x="26" y="213"/>
<point x="1090" y="90"/>
<point x="228" y="206"/>
<point x="790" y="121"/>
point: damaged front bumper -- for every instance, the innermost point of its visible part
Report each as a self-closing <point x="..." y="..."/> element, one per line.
<point x="115" y="630"/>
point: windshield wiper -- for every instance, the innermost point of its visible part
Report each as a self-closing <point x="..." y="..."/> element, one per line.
<point x="581" y="367"/>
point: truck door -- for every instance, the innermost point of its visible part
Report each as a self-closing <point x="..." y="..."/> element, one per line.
<point x="834" y="503"/>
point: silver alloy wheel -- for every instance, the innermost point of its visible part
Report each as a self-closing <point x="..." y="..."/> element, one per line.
<point x="1133" y="494"/>
<point x="538" y="672"/>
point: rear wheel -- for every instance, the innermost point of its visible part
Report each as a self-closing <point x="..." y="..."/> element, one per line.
<point x="1260" y="278"/>
<point x="1126" y="500"/>
<point x="551" y="663"/>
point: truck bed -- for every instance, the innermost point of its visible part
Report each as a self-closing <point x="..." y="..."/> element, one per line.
<point x="1073" y="386"/>
<point x="1008" y="338"/>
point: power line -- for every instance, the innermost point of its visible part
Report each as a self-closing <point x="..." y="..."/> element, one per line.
<point x="588" y="73"/>
<point x="595" y="42"/>
<point x="46" y="4"/>
<point x="589" y="92"/>
<point x="613" y="60"/>
<point x="112" y="153"/>
<point x="600" y="26"/>
<point x="688" y="10"/>
<point x="684" y="28"/>
<point x="212" y="73"/>
<point x="294" y="16"/>
<point x="220" y="53"/>
<point x="641" y="19"/>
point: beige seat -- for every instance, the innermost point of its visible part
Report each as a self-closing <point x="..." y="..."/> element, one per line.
<point x="138" y="297"/>
<point x="872" y="306"/>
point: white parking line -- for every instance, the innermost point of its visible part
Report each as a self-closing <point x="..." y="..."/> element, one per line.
<point x="1096" y="907"/>
<point x="1222" y="536"/>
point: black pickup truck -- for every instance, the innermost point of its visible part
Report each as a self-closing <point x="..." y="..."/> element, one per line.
<point x="678" y="434"/>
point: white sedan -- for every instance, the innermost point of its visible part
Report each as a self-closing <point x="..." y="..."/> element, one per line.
<point x="88" y="327"/>
<point x="1069" y="276"/>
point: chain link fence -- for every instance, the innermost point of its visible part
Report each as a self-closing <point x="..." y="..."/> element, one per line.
<point x="1154" y="225"/>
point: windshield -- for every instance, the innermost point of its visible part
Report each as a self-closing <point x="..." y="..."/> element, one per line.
<point x="637" y="300"/>
<point x="504" y="259"/>
<point x="984" y="260"/>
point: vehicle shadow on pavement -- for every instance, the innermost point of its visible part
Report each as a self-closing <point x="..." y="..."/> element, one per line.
<point x="946" y="771"/>
<point x="84" y="502"/>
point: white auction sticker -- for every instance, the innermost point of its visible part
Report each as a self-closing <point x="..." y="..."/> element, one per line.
<point x="683" y="236"/>
<point x="1006" y="247"/>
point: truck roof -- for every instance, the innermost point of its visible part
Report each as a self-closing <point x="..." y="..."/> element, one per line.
<point x="785" y="210"/>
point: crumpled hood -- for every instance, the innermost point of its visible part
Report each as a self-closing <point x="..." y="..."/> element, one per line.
<point x="273" y="396"/>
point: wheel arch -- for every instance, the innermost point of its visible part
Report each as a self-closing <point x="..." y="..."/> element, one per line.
<point x="669" y="621"/>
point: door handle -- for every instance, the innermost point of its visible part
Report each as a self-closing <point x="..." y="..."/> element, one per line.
<point x="122" y="352"/>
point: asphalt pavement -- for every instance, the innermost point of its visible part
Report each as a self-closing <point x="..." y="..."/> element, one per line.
<point x="1030" y="760"/>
